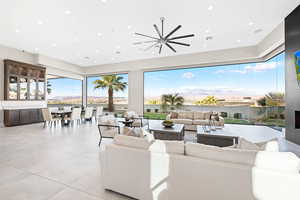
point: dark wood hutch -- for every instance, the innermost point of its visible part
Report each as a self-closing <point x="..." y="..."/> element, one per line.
<point x="23" y="82"/>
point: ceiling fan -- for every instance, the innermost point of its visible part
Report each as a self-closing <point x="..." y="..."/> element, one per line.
<point x="163" y="39"/>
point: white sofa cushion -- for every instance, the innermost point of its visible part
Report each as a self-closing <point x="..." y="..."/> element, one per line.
<point x="185" y="115"/>
<point x="183" y="121"/>
<point x="220" y="154"/>
<point x="134" y="142"/>
<point x="169" y="147"/>
<point x="278" y="161"/>
<point x="201" y="122"/>
<point x="199" y="116"/>
<point x="271" y="145"/>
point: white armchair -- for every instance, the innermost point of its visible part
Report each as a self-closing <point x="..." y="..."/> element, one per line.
<point x="139" y="121"/>
<point x="108" y="127"/>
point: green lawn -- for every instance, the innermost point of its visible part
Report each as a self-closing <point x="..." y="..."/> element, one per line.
<point x="160" y="116"/>
<point x="266" y="122"/>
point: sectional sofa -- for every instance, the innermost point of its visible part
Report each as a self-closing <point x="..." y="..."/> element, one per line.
<point x="166" y="170"/>
<point x="192" y="119"/>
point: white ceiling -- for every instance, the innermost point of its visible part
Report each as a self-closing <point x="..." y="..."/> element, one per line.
<point x="68" y="29"/>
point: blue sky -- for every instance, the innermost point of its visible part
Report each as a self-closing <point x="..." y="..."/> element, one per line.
<point x="244" y="79"/>
<point x="65" y="87"/>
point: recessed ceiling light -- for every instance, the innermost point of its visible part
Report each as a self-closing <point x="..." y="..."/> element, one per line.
<point x="209" y="38"/>
<point x="207" y="31"/>
<point x="211" y="7"/>
<point x="251" y="23"/>
<point x="40" y="22"/>
<point x="97" y="51"/>
<point x="238" y="41"/>
<point x="68" y="12"/>
<point x="36" y="49"/>
<point x="104" y="1"/>
<point x="54" y="45"/>
<point x="99" y="34"/>
<point x="118" y="47"/>
<point x="113" y="58"/>
<point x="129" y="27"/>
<point x="17" y="31"/>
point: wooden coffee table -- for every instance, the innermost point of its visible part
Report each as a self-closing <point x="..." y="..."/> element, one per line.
<point x="162" y="133"/>
<point x="216" y="138"/>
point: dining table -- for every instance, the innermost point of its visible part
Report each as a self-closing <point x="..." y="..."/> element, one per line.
<point x="62" y="114"/>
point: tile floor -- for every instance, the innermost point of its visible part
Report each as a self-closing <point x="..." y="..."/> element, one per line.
<point x="63" y="163"/>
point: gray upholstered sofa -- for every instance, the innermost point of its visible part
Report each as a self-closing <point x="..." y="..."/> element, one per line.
<point x="191" y="119"/>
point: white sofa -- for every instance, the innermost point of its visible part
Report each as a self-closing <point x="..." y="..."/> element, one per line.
<point x="178" y="171"/>
<point x="192" y="119"/>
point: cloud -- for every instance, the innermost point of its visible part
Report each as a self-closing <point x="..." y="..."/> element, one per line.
<point x="221" y="71"/>
<point x="259" y="67"/>
<point x="188" y="75"/>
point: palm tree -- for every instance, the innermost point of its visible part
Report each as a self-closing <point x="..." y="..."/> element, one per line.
<point x="112" y="83"/>
<point x="171" y="101"/>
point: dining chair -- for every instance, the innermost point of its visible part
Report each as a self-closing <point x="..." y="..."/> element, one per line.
<point x="48" y="118"/>
<point x="88" y="115"/>
<point x="99" y="112"/>
<point x="67" y="108"/>
<point x="75" y="116"/>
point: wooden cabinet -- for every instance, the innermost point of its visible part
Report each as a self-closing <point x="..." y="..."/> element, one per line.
<point x="22" y="117"/>
<point x="24" y="82"/>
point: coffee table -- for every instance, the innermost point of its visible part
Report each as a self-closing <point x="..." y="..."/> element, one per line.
<point x="217" y="138"/>
<point x="162" y="133"/>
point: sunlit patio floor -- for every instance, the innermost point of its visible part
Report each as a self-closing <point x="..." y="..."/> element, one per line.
<point x="63" y="162"/>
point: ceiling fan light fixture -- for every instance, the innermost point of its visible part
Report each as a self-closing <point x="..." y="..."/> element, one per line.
<point x="163" y="40"/>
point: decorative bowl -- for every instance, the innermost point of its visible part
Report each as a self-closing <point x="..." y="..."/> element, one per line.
<point x="168" y="123"/>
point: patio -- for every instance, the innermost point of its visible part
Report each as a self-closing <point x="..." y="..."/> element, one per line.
<point x="63" y="163"/>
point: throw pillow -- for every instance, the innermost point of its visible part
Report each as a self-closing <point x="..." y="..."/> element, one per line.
<point x="271" y="145"/>
<point x="174" y="115"/>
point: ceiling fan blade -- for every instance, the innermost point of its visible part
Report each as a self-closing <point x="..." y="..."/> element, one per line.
<point x="172" y="32"/>
<point x="180" y="37"/>
<point x="143" y="42"/>
<point x="162" y="26"/>
<point x="160" y="48"/>
<point x="179" y="43"/>
<point x="168" y="45"/>
<point x="156" y="28"/>
<point x="153" y="45"/>
<point x="147" y="36"/>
